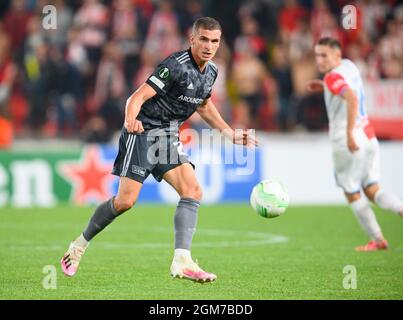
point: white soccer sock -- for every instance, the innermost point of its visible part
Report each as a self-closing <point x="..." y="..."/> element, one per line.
<point x="366" y="217"/>
<point x="179" y="253"/>
<point x="81" y="242"/>
<point x="387" y="200"/>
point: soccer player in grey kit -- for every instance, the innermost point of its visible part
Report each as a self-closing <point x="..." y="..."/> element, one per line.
<point x="179" y="86"/>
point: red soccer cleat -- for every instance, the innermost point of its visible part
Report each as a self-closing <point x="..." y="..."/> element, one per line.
<point x="373" y="246"/>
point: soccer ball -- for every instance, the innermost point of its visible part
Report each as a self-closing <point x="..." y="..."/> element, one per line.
<point x="269" y="198"/>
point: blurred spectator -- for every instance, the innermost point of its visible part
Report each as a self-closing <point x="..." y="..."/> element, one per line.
<point x="110" y="89"/>
<point x="15" y="24"/>
<point x="319" y="14"/>
<point x="35" y="70"/>
<point x="310" y="108"/>
<point x="59" y="36"/>
<point x="249" y="75"/>
<point x="281" y="72"/>
<point x="301" y="41"/>
<point x="391" y="44"/>
<point x="64" y="91"/>
<point x="7" y="77"/>
<point x="192" y="11"/>
<point x="76" y="53"/>
<point x="392" y="68"/>
<point x="95" y="130"/>
<point x="373" y="15"/>
<point x="265" y="13"/>
<point x="163" y="35"/>
<point x="92" y="19"/>
<point x="35" y="36"/>
<point x="250" y="34"/>
<point x="288" y="18"/>
<point x="149" y="59"/>
<point x="127" y="33"/>
<point x="330" y="28"/>
<point x="146" y="7"/>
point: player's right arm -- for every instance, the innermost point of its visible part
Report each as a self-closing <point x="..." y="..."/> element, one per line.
<point x="159" y="82"/>
<point x="133" y="105"/>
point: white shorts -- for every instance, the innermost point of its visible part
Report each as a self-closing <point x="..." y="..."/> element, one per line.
<point x="354" y="171"/>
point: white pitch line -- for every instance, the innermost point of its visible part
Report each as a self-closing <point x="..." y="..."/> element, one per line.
<point x="255" y="239"/>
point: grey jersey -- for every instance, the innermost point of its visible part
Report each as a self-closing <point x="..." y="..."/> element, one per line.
<point x="181" y="87"/>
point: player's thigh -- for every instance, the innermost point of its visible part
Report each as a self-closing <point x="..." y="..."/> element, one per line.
<point x="347" y="169"/>
<point x="128" y="193"/>
<point x="132" y="159"/>
<point x="183" y="179"/>
<point x="372" y="170"/>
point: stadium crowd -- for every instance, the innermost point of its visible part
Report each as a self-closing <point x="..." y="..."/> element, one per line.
<point x="73" y="81"/>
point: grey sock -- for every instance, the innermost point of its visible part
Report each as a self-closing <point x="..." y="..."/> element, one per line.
<point x="104" y="214"/>
<point x="185" y="221"/>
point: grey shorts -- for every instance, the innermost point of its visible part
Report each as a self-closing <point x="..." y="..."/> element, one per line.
<point x="142" y="154"/>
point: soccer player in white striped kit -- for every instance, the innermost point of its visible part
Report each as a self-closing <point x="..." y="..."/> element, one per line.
<point x="354" y="144"/>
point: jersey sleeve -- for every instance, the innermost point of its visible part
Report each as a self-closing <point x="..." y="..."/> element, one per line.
<point x="214" y="75"/>
<point x="164" y="76"/>
<point x="335" y="83"/>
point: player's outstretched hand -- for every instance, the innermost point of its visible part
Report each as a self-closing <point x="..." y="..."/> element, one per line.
<point x="315" y="85"/>
<point x="134" y="126"/>
<point x="245" y="137"/>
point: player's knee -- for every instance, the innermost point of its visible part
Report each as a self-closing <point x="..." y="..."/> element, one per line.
<point x="351" y="197"/>
<point x="369" y="195"/>
<point x="194" y="192"/>
<point x="370" y="191"/>
<point x="198" y="193"/>
<point x="122" y="205"/>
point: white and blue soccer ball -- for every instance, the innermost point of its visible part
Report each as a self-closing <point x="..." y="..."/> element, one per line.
<point x="269" y="198"/>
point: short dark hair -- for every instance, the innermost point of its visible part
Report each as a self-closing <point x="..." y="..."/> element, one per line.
<point x="330" y="42"/>
<point x="207" y="23"/>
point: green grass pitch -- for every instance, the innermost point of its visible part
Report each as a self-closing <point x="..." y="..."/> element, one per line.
<point x="300" y="255"/>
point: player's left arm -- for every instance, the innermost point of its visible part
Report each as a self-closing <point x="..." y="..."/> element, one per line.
<point x="352" y="111"/>
<point x="337" y="85"/>
<point x="209" y="113"/>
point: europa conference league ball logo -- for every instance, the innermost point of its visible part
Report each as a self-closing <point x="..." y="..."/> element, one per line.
<point x="163" y="73"/>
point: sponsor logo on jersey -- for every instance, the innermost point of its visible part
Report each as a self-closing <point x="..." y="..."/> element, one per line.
<point x="190" y="86"/>
<point x="190" y="99"/>
<point x="163" y="73"/>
